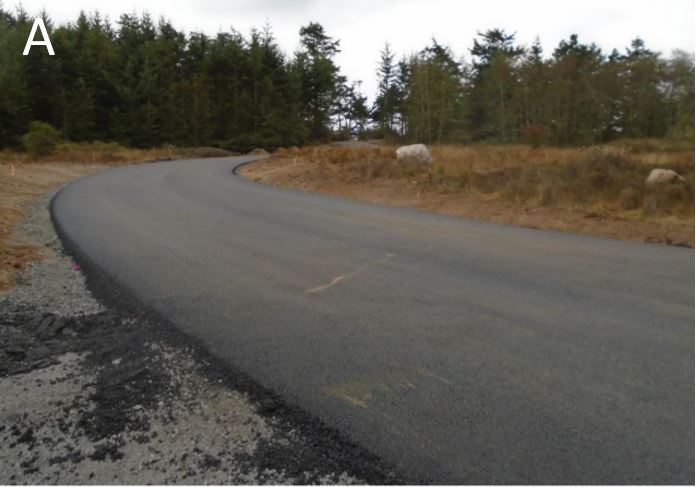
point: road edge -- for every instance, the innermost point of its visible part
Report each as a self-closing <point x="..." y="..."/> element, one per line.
<point x="107" y="290"/>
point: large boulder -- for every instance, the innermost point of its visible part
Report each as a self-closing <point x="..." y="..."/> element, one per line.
<point x="661" y="176"/>
<point x="414" y="155"/>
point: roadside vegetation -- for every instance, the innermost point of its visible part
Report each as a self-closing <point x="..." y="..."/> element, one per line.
<point x="107" y="153"/>
<point x="20" y="186"/>
<point x="598" y="190"/>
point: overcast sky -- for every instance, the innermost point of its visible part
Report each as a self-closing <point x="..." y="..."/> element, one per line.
<point x="363" y="26"/>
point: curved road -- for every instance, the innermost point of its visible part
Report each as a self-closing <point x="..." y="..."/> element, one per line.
<point x="459" y="351"/>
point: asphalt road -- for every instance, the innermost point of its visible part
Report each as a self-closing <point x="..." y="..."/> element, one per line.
<point x="460" y="351"/>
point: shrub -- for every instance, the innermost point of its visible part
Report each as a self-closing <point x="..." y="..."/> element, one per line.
<point x="547" y="196"/>
<point x="534" y="134"/>
<point x="42" y="139"/>
<point x="629" y="199"/>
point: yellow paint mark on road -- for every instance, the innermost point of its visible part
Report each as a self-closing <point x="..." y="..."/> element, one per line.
<point x="360" y="393"/>
<point x="355" y="393"/>
<point x="363" y="391"/>
<point x="338" y="279"/>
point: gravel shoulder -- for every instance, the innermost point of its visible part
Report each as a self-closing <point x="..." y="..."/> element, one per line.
<point x="20" y="186"/>
<point x="98" y="389"/>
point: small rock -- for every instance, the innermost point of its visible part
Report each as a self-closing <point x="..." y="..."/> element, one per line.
<point x="57" y="326"/>
<point x="27" y="436"/>
<point x="661" y="176"/>
<point x="15" y="350"/>
<point x="267" y="406"/>
<point x="414" y="155"/>
<point x="45" y="325"/>
<point x="209" y="461"/>
<point x="34" y="323"/>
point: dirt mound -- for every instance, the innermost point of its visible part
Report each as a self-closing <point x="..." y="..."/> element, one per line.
<point x="258" y="152"/>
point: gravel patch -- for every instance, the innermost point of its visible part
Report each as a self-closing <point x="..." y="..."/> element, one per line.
<point x="101" y="394"/>
<point x="55" y="284"/>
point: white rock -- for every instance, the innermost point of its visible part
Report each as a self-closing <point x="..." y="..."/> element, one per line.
<point x="660" y="176"/>
<point x="415" y="154"/>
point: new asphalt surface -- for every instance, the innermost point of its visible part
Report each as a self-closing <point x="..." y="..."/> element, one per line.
<point x="459" y="351"/>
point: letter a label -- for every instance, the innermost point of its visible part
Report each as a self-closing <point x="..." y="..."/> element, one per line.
<point x="46" y="41"/>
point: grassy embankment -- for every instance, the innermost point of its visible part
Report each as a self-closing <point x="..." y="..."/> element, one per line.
<point x="594" y="190"/>
<point x="24" y="178"/>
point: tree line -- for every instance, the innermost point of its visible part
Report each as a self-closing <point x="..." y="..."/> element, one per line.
<point x="143" y="83"/>
<point x="509" y="93"/>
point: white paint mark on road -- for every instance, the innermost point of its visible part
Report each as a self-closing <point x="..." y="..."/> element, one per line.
<point x="427" y="373"/>
<point x="338" y="279"/>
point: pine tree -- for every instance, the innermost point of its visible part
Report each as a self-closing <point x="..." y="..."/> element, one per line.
<point x="386" y="102"/>
<point x="642" y="105"/>
<point x="434" y="95"/>
<point x="494" y="82"/>
<point x="320" y="78"/>
<point x="15" y="103"/>
<point x="533" y="84"/>
<point x="580" y="109"/>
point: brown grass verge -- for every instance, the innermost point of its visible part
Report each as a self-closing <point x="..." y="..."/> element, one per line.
<point x="112" y="153"/>
<point x="17" y="192"/>
<point x="595" y="190"/>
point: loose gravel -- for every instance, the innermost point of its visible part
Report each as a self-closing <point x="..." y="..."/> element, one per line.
<point x="55" y="284"/>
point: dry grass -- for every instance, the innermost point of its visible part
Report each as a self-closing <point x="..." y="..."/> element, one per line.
<point x="562" y="187"/>
<point x="111" y="153"/>
<point x="18" y="189"/>
<point x="603" y="178"/>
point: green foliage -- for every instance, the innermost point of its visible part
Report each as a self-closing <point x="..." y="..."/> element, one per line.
<point x="319" y="79"/>
<point x="389" y="100"/>
<point x="143" y="83"/>
<point x="434" y="103"/>
<point x="42" y="139"/>
<point x="509" y="93"/>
